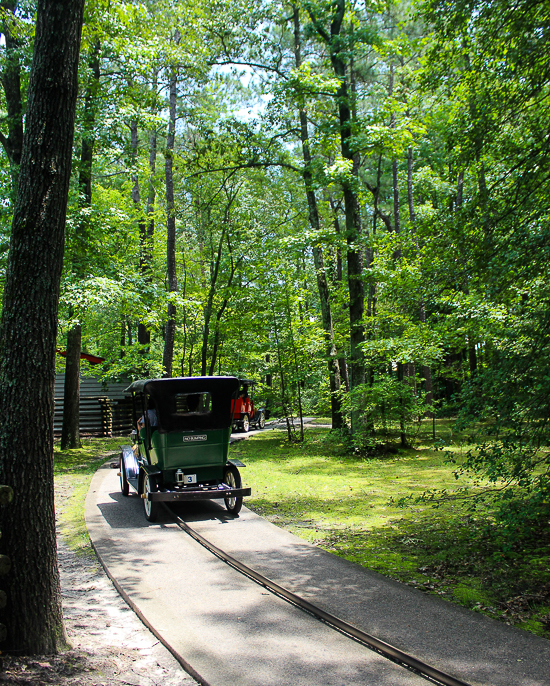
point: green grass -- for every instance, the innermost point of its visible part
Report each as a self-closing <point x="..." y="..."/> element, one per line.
<point x="73" y="472"/>
<point x="348" y="506"/>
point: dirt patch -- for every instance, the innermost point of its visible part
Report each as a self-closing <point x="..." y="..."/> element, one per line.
<point x="110" y="645"/>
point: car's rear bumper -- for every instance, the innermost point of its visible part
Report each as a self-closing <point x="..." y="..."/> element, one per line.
<point x="197" y="494"/>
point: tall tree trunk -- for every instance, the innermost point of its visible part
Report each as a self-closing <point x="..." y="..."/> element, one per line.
<point x="472" y="354"/>
<point x="322" y="284"/>
<point x="210" y="302"/>
<point x="168" y="356"/>
<point x="426" y="370"/>
<point x="395" y="175"/>
<point x="410" y="196"/>
<point x="147" y="236"/>
<point x="219" y="315"/>
<point x="339" y="277"/>
<point x="397" y="255"/>
<point x="284" y="401"/>
<point x="338" y="49"/>
<point x="144" y="249"/>
<point x="33" y="614"/>
<point x="214" y="274"/>
<point x="11" y="83"/>
<point x="70" y="436"/>
<point x="296" y="367"/>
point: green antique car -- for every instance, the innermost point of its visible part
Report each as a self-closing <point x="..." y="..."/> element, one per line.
<point x="181" y="443"/>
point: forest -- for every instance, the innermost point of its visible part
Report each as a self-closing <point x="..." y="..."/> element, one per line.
<point x="345" y="201"/>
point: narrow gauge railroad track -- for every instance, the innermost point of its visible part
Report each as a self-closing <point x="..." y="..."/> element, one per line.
<point x="381" y="647"/>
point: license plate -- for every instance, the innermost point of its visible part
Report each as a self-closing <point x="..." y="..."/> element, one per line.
<point x="190" y="478"/>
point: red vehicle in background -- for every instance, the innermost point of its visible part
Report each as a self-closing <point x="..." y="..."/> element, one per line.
<point x="245" y="414"/>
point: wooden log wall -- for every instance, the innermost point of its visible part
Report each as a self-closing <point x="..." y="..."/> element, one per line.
<point x="105" y="410"/>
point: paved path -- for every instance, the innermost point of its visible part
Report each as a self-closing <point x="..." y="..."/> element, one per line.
<point x="229" y="631"/>
<point x="278" y="424"/>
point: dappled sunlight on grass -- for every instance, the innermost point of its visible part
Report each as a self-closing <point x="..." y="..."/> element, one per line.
<point x="73" y="472"/>
<point x="88" y="458"/>
<point x="349" y="506"/>
<point x="291" y="479"/>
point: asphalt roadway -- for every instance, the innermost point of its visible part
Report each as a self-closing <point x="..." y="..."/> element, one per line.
<point x="228" y="631"/>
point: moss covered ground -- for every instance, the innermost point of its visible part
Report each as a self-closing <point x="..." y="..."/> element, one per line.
<point x="349" y="507"/>
<point x="73" y="472"/>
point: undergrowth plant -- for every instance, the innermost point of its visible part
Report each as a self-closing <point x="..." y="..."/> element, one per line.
<point x="385" y="407"/>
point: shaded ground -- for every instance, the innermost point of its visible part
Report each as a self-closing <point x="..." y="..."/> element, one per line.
<point x="110" y="646"/>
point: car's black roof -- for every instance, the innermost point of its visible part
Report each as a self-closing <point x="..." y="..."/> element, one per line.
<point x="185" y="384"/>
<point x="164" y="391"/>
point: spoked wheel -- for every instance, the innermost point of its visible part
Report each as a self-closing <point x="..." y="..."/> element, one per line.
<point x="151" y="508"/>
<point x="124" y="486"/>
<point x="246" y="423"/>
<point x="233" y="479"/>
<point x="261" y="420"/>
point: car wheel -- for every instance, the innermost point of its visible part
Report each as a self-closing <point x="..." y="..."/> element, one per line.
<point x="151" y="508"/>
<point x="233" y="479"/>
<point x="124" y="486"/>
<point x="261" y="420"/>
<point x="246" y="424"/>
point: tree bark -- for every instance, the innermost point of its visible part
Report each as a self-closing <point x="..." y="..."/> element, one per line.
<point x="11" y="83"/>
<point x="214" y="274"/>
<point x="322" y="284"/>
<point x="338" y="50"/>
<point x="410" y="196"/>
<point x="426" y="370"/>
<point x="168" y="356"/>
<point x="144" y="257"/>
<point x="33" y="614"/>
<point x="211" y="293"/>
<point x="395" y="175"/>
<point x="70" y="435"/>
<point x="339" y="277"/>
<point x="147" y="235"/>
<point x="219" y="315"/>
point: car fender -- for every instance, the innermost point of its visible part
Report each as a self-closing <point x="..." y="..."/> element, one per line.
<point x="148" y="469"/>
<point x="130" y="462"/>
<point x="236" y="463"/>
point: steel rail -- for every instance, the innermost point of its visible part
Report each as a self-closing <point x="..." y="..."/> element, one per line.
<point x="362" y="637"/>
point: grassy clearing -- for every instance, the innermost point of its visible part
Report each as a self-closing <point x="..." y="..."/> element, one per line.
<point x="73" y="471"/>
<point x="344" y="505"/>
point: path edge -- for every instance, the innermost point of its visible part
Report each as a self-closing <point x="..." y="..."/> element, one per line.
<point x="89" y="515"/>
